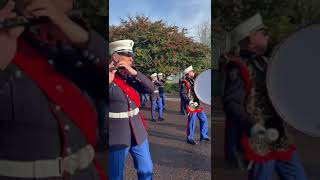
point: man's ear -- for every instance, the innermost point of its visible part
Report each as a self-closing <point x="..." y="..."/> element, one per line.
<point x="115" y="57"/>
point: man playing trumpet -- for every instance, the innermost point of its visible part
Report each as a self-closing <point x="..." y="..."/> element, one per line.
<point x="193" y="107"/>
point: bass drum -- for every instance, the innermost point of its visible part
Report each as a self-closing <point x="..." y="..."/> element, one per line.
<point x="293" y="80"/>
<point x="202" y="87"/>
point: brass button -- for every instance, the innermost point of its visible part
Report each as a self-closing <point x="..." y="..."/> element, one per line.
<point x="91" y="57"/>
<point x="97" y="60"/>
<point x="69" y="150"/>
<point x="79" y="64"/>
<point x="58" y="108"/>
<point x="66" y="127"/>
<point x="59" y="88"/>
<point x="18" y="74"/>
<point x="50" y="61"/>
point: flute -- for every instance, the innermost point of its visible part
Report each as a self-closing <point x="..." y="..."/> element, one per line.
<point x="24" y="21"/>
<point x="116" y="68"/>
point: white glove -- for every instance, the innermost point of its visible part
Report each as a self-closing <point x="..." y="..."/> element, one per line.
<point x="272" y="134"/>
<point x="258" y="129"/>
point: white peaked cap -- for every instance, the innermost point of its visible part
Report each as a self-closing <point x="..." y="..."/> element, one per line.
<point x="154" y="75"/>
<point x="160" y="74"/>
<point x="121" y="45"/>
<point x="252" y="24"/>
<point x="188" y="69"/>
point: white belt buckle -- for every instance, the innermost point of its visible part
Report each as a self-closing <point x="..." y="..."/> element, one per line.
<point x="43" y="168"/>
<point x="61" y="167"/>
<point x="70" y="164"/>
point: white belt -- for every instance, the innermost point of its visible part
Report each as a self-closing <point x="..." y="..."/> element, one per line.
<point x="156" y="91"/>
<point x="123" y="115"/>
<point x="48" y="168"/>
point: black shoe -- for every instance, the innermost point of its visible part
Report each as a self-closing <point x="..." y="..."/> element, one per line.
<point x="153" y="120"/>
<point x="161" y="119"/>
<point x="192" y="142"/>
<point x="204" y="139"/>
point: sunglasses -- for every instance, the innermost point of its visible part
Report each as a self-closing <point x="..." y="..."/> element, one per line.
<point x="126" y="53"/>
<point x="264" y="31"/>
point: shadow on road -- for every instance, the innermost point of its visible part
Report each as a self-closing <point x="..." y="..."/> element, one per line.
<point x="179" y="158"/>
<point x="173" y="112"/>
<point x="166" y="136"/>
<point x="176" y="126"/>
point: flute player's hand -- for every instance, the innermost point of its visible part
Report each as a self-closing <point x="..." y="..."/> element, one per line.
<point x="111" y="73"/>
<point x="8" y="37"/>
<point x="56" y="11"/>
<point x="128" y="68"/>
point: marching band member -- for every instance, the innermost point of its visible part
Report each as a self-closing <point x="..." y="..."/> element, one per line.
<point x="183" y="102"/>
<point x="127" y="128"/>
<point x="155" y="99"/>
<point x="161" y="89"/>
<point x="143" y="99"/>
<point x="48" y="123"/>
<point x="264" y="140"/>
<point x="193" y="107"/>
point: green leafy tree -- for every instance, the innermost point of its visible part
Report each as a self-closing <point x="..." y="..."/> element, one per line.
<point x="93" y="7"/>
<point x="159" y="47"/>
<point x="95" y="11"/>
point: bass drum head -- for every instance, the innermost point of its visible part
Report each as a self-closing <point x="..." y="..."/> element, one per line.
<point x="293" y="80"/>
<point x="202" y="87"/>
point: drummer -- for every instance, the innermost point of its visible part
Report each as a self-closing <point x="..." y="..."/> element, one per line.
<point x="193" y="108"/>
<point x="248" y="108"/>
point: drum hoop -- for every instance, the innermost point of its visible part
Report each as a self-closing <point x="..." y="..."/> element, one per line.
<point x="197" y="79"/>
<point x="269" y="90"/>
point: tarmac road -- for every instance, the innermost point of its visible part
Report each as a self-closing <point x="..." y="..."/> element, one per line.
<point x="174" y="159"/>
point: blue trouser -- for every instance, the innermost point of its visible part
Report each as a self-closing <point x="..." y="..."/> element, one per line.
<point x="143" y="99"/>
<point x="287" y="170"/>
<point x="141" y="160"/>
<point x="154" y="104"/>
<point x="192" y="124"/>
<point x="163" y="99"/>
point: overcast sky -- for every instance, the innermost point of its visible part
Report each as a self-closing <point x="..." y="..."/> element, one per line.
<point x="182" y="13"/>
